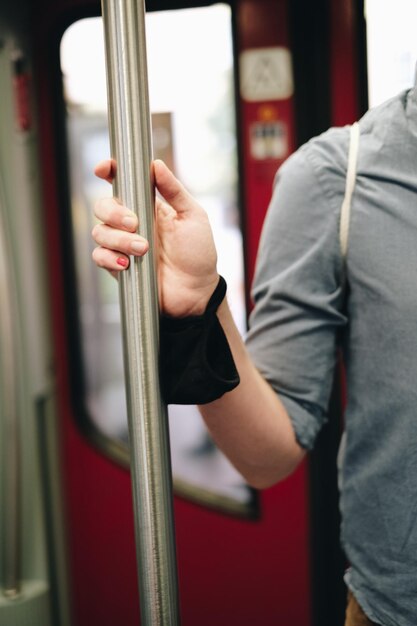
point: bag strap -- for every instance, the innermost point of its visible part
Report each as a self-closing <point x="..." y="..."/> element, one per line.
<point x="350" y="186"/>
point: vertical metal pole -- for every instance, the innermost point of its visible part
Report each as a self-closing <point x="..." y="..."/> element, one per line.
<point x="130" y="138"/>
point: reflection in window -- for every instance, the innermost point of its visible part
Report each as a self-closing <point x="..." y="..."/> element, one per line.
<point x="192" y="105"/>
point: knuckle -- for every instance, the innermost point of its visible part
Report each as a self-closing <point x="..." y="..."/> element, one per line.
<point x="98" y="207"/>
<point x="114" y="214"/>
<point x="96" y="232"/>
<point x="125" y="242"/>
<point x="97" y="257"/>
<point x="103" y="208"/>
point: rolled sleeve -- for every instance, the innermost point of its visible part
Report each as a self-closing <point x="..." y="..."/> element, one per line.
<point x="298" y="292"/>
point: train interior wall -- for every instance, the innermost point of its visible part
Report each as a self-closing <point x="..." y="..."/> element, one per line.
<point x="32" y="533"/>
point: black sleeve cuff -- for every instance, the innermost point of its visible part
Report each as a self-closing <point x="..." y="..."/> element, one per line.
<point x="196" y="363"/>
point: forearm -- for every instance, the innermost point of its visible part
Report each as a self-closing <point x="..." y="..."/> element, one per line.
<point x="250" y="424"/>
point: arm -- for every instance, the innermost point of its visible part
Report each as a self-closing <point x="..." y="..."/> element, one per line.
<point x="293" y="336"/>
<point x="249" y="424"/>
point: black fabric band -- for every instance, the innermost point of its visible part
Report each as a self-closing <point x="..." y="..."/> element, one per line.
<point x="196" y="363"/>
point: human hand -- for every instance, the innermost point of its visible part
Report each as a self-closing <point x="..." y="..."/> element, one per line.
<point x="186" y="254"/>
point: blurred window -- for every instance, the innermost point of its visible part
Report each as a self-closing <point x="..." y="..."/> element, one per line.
<point x="391" y="47"/>
<point x="191" y="83"/>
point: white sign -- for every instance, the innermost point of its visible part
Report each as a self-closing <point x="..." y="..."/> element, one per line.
<point x="268" y="140"/>
<point x="266" y="74"/>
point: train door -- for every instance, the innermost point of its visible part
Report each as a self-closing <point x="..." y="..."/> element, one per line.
<point x="258" y="591"/>
<point x="244" y="559"/>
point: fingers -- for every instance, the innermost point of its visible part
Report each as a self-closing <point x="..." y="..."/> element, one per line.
<point x="109" y="211"/>
<point x="168" y="185"/>
<point x="110" y="260"/>
<point x="106" y="170"/>
<point x="116" y="237"/>
<point x="171" y="188"/>
<point x="119" y="240"/>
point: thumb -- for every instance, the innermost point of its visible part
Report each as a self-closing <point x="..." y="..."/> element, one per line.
<point x="106" y="170"/>
<point x="171" y="189"/>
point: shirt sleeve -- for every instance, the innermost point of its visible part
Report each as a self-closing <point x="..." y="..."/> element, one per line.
<point x="298" y="292"/>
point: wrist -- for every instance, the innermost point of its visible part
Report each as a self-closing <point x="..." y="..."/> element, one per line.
<point x="208" y="307"/>
<point x="211" y="297"/>
<point x="194" y="299"/>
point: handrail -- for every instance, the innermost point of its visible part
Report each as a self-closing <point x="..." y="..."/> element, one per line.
<point x="130" y="138"/>
<point x="9" y="376"/>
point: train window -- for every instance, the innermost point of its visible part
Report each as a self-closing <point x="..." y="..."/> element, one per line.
<point x="391" y="47"/>
<point x="192" y="102"/>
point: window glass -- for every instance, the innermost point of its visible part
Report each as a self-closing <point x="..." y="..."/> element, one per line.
<point x="391" y="47"/>
<point x="191" y="88"/>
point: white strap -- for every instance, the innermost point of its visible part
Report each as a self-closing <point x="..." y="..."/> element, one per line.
<point x="350" y="186"/>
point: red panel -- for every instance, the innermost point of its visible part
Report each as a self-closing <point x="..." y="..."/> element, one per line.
<point x="238" y="573"/>
<point x="344" y="62"/>
<point x="264" y="23"/>
<point x="261" y="23"/>
<point x="344" y="81"/>
<point x="231" y="571"/>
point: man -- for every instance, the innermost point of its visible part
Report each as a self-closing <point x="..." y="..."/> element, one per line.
<point x="309" y="299"/>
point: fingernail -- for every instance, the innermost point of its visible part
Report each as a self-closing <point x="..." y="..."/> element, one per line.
<point x="129" y="222"/>
<point x="138" y="246"/>
<point x="121" y="261"/>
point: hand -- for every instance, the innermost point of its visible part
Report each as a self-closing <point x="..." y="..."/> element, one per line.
<point x="187" y="274"/>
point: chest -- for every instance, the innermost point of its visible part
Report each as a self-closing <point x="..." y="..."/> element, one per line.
<point x="382" y="252"/>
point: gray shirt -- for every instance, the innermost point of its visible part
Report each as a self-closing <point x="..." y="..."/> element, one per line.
<point x="308" y="302"/>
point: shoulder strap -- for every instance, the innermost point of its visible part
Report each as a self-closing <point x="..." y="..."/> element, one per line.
<point x="350" y="186"/>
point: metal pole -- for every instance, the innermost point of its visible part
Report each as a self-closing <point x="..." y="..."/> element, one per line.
<point x="9" y="375"/>
<point x="130" y="138"/>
